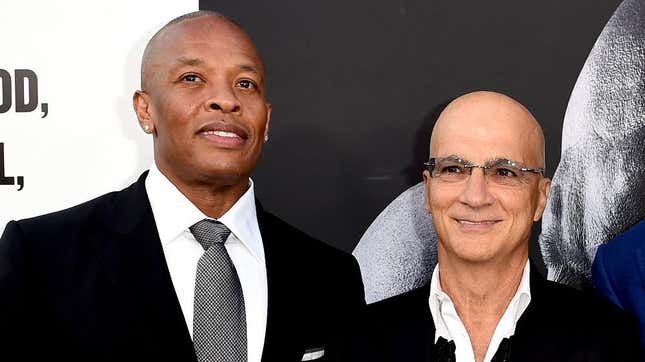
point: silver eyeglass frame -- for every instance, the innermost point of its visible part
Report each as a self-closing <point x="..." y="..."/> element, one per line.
<point x="430" y="165"/>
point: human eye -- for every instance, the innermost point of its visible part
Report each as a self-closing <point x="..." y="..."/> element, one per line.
<point x="246" y="84"/>
<point x="451" y="169"/>
<point x="448" y="170"/>
<point x="505" y="172"/>
<point x="190" y="78"/>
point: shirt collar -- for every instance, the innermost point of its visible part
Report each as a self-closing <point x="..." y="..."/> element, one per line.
<point x="522" y="297"/>
<point x="242" y="220"/>
<point x="174" y="213"/>
<point x="439" y="299"/>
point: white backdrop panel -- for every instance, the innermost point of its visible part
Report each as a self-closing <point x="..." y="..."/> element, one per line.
<point x="86" y="57"/>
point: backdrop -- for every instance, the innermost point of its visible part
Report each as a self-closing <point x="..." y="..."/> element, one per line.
<point x="68" y="70"/>
<point x="355" y="88"/>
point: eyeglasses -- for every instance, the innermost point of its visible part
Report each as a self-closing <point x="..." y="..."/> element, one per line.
<point x="501" y="171"/>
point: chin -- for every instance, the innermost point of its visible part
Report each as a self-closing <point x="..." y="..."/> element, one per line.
<point x="477" y="257"/>
<point x="217" y="173"/>
<point x="470" y="251"/>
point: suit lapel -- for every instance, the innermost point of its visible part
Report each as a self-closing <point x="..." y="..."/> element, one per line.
<point x="398" y="329"/>
<point x="421" y="342"/>
<point x="532" y="328"/>
<point x="130" y="250"/>
<point x="281" y="341"/>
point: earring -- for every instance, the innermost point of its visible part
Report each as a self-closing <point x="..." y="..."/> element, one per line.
<point x="266" y="137"/>
<point x="146" y="128"/>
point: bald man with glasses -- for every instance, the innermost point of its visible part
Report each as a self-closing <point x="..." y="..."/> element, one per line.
<point x="485" y="187"/>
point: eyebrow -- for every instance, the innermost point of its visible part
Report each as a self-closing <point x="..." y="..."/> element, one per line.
<point x="190" y="61"/>
<point x="249" y="68"/>
<point x="490" y="160"/>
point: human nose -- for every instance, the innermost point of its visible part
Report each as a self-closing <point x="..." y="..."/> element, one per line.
<point x="476" y="192"/>
<point x="222" y="98"/>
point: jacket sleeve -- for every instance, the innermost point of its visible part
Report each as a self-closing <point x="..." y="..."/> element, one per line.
<point x="13" y="294"/>
<point x="353" y="296"/>
<point x="602" y="279"/>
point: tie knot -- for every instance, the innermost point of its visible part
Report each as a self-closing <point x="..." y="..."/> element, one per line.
<point x="208" y="232"/>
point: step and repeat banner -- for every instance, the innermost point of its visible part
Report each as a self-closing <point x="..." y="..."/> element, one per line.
<point x="68" y="70"/>
<point x="355" y="88"/>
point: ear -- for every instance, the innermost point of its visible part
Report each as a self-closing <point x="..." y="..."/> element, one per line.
<point x="141" y="104"/>
<point x="543" y="189"/>
<point x="426" y="181"/>
<point x="266" y="127"/>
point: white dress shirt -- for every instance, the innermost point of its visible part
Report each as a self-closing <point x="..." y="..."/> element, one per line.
<point x="449" y="326"/>
<point x="174" y="214"/>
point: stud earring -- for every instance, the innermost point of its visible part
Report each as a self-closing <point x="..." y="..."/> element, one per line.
<point x="266" y="137"/>
<point x="146" y="128"/>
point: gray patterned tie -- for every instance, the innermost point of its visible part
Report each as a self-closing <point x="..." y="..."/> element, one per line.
<point x="219" y="323"/>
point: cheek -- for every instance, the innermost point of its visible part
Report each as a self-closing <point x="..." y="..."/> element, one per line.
<point x="521" y="206"/>
<point x="439" y="202"/>
<point x="178" y="117"/>
<point x="256" y="112"/>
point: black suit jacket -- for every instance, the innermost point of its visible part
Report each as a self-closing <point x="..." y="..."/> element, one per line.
<point x="560" y="324"/>
<point x="90" y="283"/>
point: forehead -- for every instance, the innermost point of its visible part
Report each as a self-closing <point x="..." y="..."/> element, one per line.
<point x="205" y="40"/>
<point x="482" y="131"/>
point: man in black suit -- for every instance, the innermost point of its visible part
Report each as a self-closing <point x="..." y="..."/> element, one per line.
<point x="133" y="275"/>
<point x="485" y="187"/>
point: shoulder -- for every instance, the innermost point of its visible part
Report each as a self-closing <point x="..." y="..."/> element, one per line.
<point x="291" y="251"/>
<point x="623" y="246"/>
<point x="53" y="243"/>
<point x="412" y="299"/>
<point x="59" y="222"/>
<point x="565" y="323"/>
<point x="581" y="307"/>
<point x="69" y="222"/>
<point x="578" y="302"/>
<point x="285" y="236"/>
<point x="409" y="307"/>
<point x="583" y="320"/>
<point x="319" y="276"/>
<point x="399" y="328"/>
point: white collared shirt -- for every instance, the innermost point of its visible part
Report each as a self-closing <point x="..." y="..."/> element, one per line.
<point x="449" y="326"/>
<point x="174" y="214"/>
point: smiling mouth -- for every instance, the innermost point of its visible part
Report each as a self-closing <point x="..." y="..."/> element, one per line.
<point x="477" y="222"/>
<point x="224" y="134"/>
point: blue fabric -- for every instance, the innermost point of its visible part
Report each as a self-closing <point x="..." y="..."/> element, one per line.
<point x="618" y="272"/>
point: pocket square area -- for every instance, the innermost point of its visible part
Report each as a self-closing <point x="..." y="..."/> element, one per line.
<point x="313" y="354"/>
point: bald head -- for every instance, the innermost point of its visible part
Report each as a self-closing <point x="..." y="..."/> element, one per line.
<point x="490" y="121"/>
<point x="175" y="29"/>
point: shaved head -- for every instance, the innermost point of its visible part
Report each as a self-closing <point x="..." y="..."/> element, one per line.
<point x="159" y="40"/>
<point x="481" y="113"/>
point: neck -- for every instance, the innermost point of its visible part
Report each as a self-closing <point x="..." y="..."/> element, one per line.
<point x="481" y="292"/>
<point x="210" y="197"/>
<point x="487" y="282"/>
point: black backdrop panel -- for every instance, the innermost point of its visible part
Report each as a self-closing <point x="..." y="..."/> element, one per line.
<point x="356" y="85"/>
